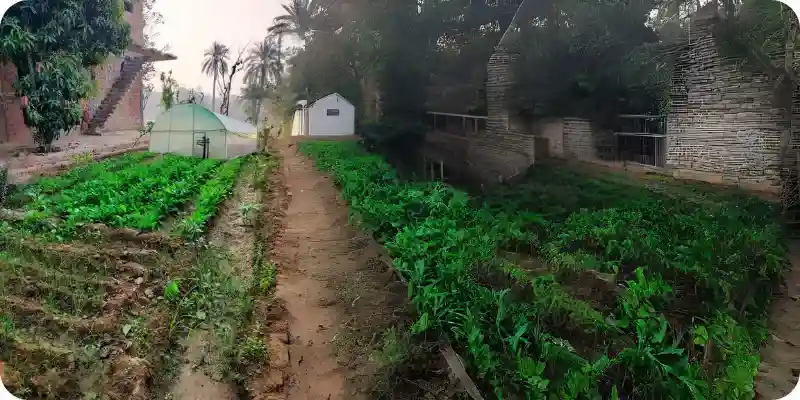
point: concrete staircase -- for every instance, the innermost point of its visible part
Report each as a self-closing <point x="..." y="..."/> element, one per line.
<point x="129" y="72"/>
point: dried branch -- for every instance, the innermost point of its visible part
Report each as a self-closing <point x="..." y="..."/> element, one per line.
<point x="226" y="92"/>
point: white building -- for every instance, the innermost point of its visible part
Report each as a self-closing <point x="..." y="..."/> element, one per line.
<point x="331" y="115"/>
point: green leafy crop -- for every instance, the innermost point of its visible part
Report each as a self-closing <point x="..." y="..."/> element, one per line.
<point x="653" y="251"/>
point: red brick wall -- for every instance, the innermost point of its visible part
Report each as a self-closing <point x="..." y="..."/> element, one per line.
<point x="12" y="125"/>
<point x="128" y="113"/>
<point x="136" y="19"/>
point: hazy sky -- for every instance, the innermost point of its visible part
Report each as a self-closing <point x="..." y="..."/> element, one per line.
<point x="190" y="26"/>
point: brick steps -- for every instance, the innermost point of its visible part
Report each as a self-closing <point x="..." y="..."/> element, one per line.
<point x="117" y="91"/>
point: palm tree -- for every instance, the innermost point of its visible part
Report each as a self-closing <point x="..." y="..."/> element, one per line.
<point x="216" y="64"/>
<point x="299" y="20"/>
<point x="261" y="64"/>
<point x="276" y="32"/>
<point x="252" y="93"/>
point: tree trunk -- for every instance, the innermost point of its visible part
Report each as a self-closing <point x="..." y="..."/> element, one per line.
<point x="280" y="61"/>
<point x="214" y="92"/>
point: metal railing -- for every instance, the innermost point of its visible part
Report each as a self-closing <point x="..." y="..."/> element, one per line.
<point x="641" y="139"/>
<point x="457" y="124"/>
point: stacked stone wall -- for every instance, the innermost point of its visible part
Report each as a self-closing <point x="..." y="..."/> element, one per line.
<point x="724" y="125"/>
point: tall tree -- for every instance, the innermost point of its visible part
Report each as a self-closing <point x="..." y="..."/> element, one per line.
<point x="276" y="32"/>
<point x="261" y="64"/>
<point x="228" y="83"/>
<point x="300" y="18"/>
<point x="216" y="64"/>
<point x="53" y="44"/>
<point x="253" y="94"/>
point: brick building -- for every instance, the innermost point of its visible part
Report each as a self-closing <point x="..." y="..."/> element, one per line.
<point x="117" y="105"/>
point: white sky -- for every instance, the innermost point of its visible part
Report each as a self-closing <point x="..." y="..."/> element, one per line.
<point x="190" y="26"/>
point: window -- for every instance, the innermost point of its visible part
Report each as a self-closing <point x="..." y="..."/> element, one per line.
<point x="128" y="5"/>
<point x="332" y="112"/>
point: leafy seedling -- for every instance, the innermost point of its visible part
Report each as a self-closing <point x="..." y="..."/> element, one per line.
<point x="172" y="291"/>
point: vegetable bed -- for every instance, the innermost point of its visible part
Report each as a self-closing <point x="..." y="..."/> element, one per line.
<point x="81" y="173"/>
<point x="211" y="196"/>
<point x="643" y="294"/>
<point x="125" y="192"/>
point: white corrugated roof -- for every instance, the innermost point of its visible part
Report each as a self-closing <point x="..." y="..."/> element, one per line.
<point x="236" y="126"/>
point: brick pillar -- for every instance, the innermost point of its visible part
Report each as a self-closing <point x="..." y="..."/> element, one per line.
<point x="499" y="79"/>
<point x="503" y="152"/>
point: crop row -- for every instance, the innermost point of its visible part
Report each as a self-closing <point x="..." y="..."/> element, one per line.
<point x="721" y="252"/>
<point x="512" y="327"/>
<point x="139" y="195"/>
<point x="211" y="195"/>
<point x="439" y="242"/>
<point x="169" y="198"/>
<point x="82" y="173"/>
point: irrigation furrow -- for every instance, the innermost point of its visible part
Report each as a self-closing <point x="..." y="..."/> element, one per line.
<point x="36" y="314"/>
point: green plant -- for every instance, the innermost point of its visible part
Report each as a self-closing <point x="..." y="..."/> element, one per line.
<point x="6" y="326"/>
<point x="137" y="195"/>
<point x="266" y="279"/>
<point x="82" y="158"/>
<point x="252" y="349"/>
<point x="246" y="211"/>
<point x="708" y="248"/>
<point x="211" y="195"/>
<point x="172" y="290"/>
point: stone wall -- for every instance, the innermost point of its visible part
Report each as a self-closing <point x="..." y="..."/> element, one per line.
<point x="574" y="138"/>
<point x="724" y="126"/>
<point x="584" y="141"/>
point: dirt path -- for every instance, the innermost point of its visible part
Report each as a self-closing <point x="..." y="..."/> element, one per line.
<point x="780" y="357"/>
<point x="330" y="281"/>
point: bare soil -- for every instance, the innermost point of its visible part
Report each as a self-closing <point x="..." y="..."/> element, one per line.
<point x="334" y="294"/>
<point x="24" y="164"/>
<point x="780" y="357"/>
<point x="68" y="303"/>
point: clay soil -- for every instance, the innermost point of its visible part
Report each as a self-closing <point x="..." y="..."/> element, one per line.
<point x="72" y="315"/>
<point x="780" y="357"/>
<point x="335" y="299"/>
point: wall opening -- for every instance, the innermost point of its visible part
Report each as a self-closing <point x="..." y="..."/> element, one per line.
<point x="641" y="139"/>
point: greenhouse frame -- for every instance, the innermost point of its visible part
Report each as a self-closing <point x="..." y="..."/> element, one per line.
<point x="193" y="130"/>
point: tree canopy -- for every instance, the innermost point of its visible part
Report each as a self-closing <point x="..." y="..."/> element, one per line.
<point x="577" y="58"/>
<point x="52" y="44"/>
